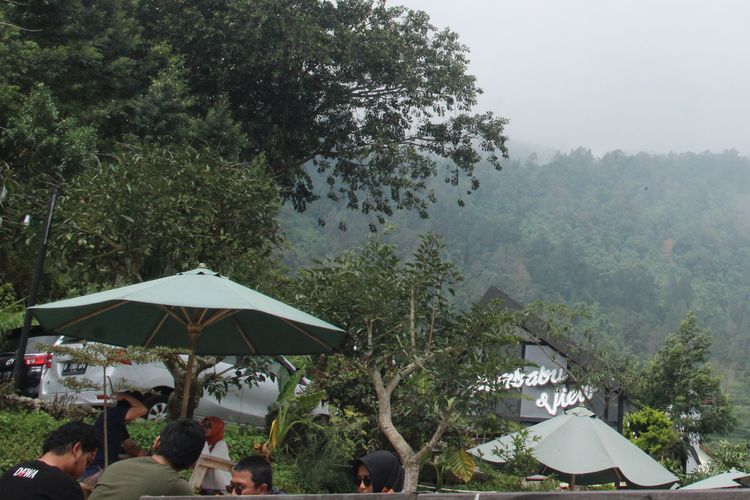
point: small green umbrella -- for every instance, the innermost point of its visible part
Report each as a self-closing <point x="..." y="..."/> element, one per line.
<point x="199" y="310"/>
<point x="581" y="449"/>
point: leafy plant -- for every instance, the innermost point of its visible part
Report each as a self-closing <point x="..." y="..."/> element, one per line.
<point x="653" y="432"/>
<point x="291" y="409"/>
<point x="23" y="434"/>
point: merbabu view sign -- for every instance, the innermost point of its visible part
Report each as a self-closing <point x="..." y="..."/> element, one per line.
<point x="554" y="394"/>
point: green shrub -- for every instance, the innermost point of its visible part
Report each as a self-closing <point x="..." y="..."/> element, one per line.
<point x="241" y="440"/>
<point x="144" y="432"/>
<point x="23" y="434"/>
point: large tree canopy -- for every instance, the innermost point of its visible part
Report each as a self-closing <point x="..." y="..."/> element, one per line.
<point x="369" y="100"/>
<point x="370" y="95"/>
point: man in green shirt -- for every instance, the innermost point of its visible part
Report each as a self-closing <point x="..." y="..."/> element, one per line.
<point x="178" y="447"/>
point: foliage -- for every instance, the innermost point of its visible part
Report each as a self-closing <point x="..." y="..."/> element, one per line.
<point x="320" y="454"/>
<point x="11" y="309"/>
<point x="519" y="458"/>
<point x="459" y="462"/>
<point x="680" y="381"/>
<point x="726" y="455"/>
<point x="490" y="479"/>
<point x="34" y="426"/>
<point x="424" y="359"/>
<point x="636" y="240"/>
<point x="653" y="432"/>
<point x="375" y="98"/>
<point x="130" y="220"/>
<point x="291" y="410"/>
<point x="372" y="96"/>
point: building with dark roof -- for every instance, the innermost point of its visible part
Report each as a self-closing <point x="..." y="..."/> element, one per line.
<point x="544" y="386"/>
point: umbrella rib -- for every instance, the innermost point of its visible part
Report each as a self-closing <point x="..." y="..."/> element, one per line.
<point x="203" y="315"/>
<point x="188" y="319"/>
<point x="90" y="315"/>
<point x="155" y="331"/>
<point x="172" y="313"/>
<point x="244" y="336"/>
<point x="309" y="335"/>
<point x="220" y="316"/>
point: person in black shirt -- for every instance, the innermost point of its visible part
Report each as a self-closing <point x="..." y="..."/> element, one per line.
<point x="66" y="453"/>
<point x="129" y="407"/>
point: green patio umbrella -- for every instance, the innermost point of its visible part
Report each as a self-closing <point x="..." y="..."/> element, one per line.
<point x="581" y="449"/>
<point x="199" y="310"/>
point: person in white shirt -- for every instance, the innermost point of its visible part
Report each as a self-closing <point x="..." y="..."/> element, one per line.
<point x="215" y="481"/>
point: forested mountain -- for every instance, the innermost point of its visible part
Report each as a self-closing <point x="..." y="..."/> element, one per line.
<point x="636" y="239"/>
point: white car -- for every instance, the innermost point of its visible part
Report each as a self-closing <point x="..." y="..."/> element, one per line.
<point x="247" y="404"/>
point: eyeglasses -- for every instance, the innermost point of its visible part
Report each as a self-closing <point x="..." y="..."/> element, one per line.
<point x="237" y="488"/>
<point x="363" y="479"/>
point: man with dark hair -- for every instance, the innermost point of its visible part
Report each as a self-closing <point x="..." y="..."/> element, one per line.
<point x="129" y="407"/>
<point x="66" y="453"/>
<point x="178" y="447"/>
<point x="251" y="476"/>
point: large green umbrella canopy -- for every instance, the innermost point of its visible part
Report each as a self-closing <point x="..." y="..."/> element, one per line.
<point x="199" y="310"/>
<point x="581" y="449"/>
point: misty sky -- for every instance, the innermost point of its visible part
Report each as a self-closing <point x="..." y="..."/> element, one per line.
<point x="636" y="75"/>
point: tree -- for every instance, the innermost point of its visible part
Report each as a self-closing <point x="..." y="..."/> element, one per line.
<point x="154" y="211"/>
<point x="370" y="97"/>
<point x="426" y="362"/>
<point x="653" y="432"/>
<point x="679" y="380"/>
<point x="365" y="99"/>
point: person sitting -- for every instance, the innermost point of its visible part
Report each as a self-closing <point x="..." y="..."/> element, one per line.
<point x="215" y="481"/>
<point x="251" y="476"/>
<point x="129" y="407"/>
<point x="178" y="447"/>
<point x="378" y="472"/>
<point x="66" y="453"/>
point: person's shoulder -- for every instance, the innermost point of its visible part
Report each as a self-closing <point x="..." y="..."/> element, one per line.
<point x="19" y="467"/>
<point x="180" y="487"/>
<point x="31" y="468"/>
<point x="36" y="478"/>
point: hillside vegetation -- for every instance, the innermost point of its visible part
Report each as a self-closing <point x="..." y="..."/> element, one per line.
<point x="637" y="240"/>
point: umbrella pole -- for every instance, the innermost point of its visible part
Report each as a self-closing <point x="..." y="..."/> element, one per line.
<point x="104" y="418"/>
<point x="194" y="332"/>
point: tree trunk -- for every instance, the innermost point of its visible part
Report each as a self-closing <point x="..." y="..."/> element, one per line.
<point x="405" y="452"/>
<point x="177" y="368"/>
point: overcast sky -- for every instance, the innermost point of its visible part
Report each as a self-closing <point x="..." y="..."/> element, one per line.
<point x="636" y="75"/>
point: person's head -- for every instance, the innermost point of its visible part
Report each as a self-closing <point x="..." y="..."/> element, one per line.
<point x="71" y="447"/>
<point x="251" y="476"/>
<point x="214" y="429"/>
<point x="180" y="443"/>
<point x="378" y="472"/>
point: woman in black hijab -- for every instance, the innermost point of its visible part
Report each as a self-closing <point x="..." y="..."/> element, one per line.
<point x="378" y="472"/>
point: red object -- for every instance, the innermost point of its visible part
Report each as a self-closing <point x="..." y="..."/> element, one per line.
<point x="214" y="427"/>
<point x="39" y="360"/>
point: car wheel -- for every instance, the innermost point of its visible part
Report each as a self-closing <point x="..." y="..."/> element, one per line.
<point x="157" y="407"/>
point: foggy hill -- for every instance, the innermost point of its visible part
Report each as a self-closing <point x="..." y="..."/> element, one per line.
<point x="638" y="238"/>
